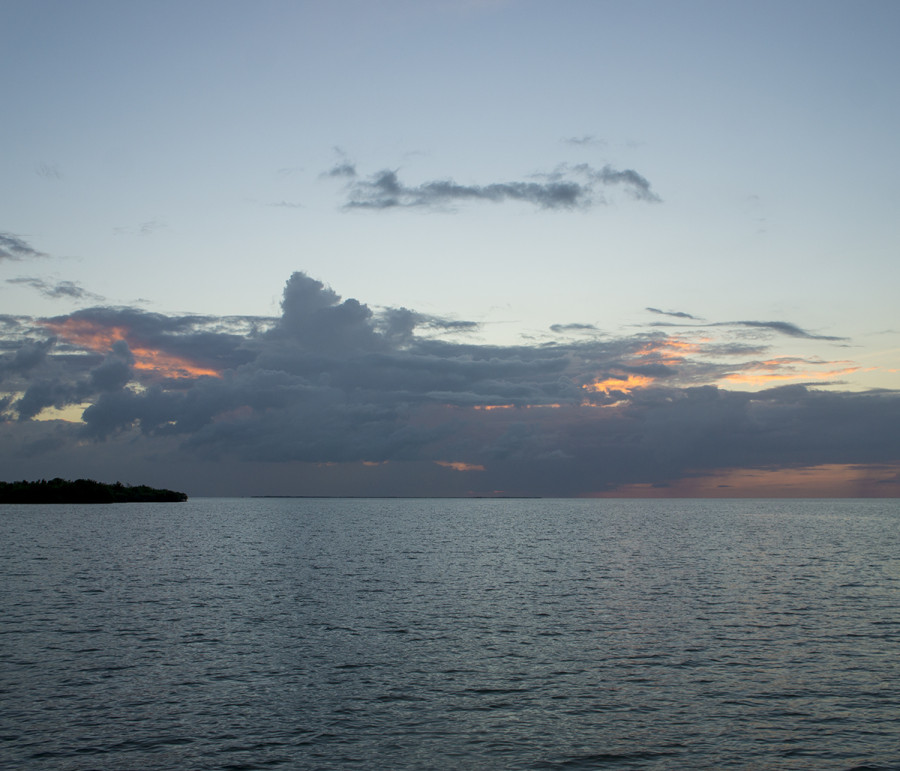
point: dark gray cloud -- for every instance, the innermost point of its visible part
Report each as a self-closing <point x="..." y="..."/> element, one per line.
<point x="574" y="327"/>
<point x="14" y="248"/>
<point x="56" y="290"/>
<point x="673" y="314"/>
<point x="568" y="187"/>
<point x="206" y="341"/>
<point x="400" y="324"/>
<point x="782" y="327"/>
<point x="22" y="358"/>
<point x="636" y="185"/>
<point x="333" y="381"/>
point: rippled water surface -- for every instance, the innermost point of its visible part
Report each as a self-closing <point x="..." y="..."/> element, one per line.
<point x="501" y="634"/>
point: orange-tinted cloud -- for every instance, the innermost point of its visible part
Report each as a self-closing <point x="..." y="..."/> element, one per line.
<point x="96" y="337"/>
<point x="670" y="351"/>
<point x="460" y="466"/>
<point x="780" y="370"/>
<point x="623" y="385"/>
<point x="833" y="480"/>
<point x="492" y="407"/>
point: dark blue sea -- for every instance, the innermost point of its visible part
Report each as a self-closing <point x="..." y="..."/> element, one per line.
<point x="451" y="634"/>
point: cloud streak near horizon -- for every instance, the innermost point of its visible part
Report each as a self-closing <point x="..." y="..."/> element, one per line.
<point x="332" y="381"/>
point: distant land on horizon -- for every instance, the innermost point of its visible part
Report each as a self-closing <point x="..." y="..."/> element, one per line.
<point x="399" y="497"/>
<point x="84" y="491"/>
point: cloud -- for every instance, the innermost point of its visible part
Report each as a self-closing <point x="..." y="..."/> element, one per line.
<point x="673" y="314"/>
<point x="144" y="229"/>
<point x="14" y="248"/>
<point x="58" y="290"/>
<point x="345" y="170"/>
<point x="459" y="466"/>
<point x="332" y="381"/>
<point x="584" y="140"/>
<point x="567" y="187"/>
<point x="572" y="328"/>
<point x="782" y="327"/>
<point x="49" y="171"/>
<point x="635" y="184"/>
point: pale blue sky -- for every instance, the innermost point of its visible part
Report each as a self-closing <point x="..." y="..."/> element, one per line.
<point x="147" y="147"/>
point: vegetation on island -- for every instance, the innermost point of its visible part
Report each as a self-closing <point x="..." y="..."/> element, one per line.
<point x="83" y="491"/>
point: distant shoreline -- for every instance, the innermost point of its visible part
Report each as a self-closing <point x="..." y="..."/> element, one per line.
<point x="84" y="491"/>
<point x="405" y="497"/>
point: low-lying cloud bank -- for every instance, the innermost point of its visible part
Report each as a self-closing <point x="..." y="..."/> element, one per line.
<point x="337" y="385"/>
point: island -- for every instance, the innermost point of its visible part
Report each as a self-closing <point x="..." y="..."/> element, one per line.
<point x="83" y="491"/>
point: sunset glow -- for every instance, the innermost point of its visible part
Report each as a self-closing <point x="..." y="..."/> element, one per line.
<point x="623" y="385"/>
<point x="670" y="351"/>
<point x="94" y="337"/>
<point x="460" y="466"/>
<point x="602" y="296"/>
<point x="772" y="372"/>
<point x="832" y="480"/>
<point x="493" y="407"/>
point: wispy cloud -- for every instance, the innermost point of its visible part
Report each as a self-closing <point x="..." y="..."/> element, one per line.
<point x="143" y="229"/>
<point x="57" y="290"/>
<point x="585" y="140"/>
<point x="781" y="327"/>
<point x="49" y="171"/>
<point x="778" y="327"/>
<point x="12" y="247"/>
<point x="673" y="314"/>
<point x="341" y="170"/>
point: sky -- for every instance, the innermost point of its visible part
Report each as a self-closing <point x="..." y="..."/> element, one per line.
<point x="452" y="247"/>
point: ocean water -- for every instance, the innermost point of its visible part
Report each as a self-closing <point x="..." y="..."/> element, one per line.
<point x="451" y="634"/>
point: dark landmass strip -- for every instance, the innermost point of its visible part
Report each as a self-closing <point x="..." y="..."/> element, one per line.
<point x="407" y="497"/>
<point x="83" y="491"/>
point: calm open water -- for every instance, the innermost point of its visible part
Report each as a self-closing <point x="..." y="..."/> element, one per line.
<point x="497" y="634"/>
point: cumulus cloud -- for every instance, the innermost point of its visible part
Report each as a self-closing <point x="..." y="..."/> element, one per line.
<point x="567" y="187"/>
<point x="332" y="381"/>
<point x="12" y="247"/>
